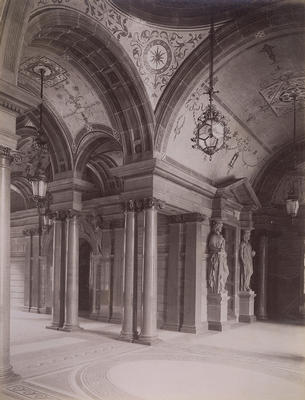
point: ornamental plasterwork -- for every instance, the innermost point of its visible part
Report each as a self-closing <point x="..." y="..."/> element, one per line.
<point x="55" y="72"/>
<point x="278" y="93"/>
<point x="156" y="52"/>
<point x="67" y="93"/>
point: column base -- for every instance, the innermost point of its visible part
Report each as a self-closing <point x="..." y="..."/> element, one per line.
<point x="171" y="326"/>
<point x="203" y="327"/>
<point x="218" y="311"/>
<point x="262" y="317"/>
<point x="128" y="337"/>
<point x="218" y="326"/>
<point x="116" y="319"/>
<point x="8" y="375"/>
<point x="55" y="327"/>
<point x="70" y="328"/>
<point x="246" y="306"/>
<point x="147" y="340"/>
<point x="247" y="318"/>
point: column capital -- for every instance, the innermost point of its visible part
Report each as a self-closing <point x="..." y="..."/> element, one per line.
<point x="130" y="205"/>
<point x="152" y="202"/>
<point x="5" y="152"/>
<point x="30" y="232"/>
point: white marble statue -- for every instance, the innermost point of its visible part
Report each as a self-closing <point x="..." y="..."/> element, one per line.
<point x="219" y="271"/>
<point x="246" y="255"/>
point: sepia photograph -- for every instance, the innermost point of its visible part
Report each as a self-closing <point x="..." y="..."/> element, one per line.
<point x="152" y="199"/>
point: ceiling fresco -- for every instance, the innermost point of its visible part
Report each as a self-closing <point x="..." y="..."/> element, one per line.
<point x="157" y="52"/>
<point x="65" y="90"/>
<point x="255" y="79"/>
<point x="255" y="85"/>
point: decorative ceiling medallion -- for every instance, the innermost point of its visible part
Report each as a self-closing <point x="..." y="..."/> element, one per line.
<point x="279" y="94"/>
<point x="157" y="56"/>
<point x="54" y="75"/>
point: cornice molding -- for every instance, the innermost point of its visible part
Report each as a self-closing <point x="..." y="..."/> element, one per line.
<point x="168" y="171"/>
<point x="15" y="99"/>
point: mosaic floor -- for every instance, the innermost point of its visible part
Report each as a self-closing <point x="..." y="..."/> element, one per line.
<point x="261" y="361"/>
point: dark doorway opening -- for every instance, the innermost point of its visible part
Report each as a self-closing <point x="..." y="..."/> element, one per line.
<point x="84" y="277"/>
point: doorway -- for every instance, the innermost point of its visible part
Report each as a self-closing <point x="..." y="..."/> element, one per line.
<point x="84" y="277"/>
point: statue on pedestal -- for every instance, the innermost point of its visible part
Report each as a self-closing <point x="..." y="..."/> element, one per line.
<point x="218" y="271"/>
<point x="246" y="255"/>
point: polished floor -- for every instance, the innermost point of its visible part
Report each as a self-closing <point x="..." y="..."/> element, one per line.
<point x="261" y="361"/>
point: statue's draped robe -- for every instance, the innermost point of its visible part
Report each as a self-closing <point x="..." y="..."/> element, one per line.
<point x="246" y="258"/>
<point x="219" y="270"/>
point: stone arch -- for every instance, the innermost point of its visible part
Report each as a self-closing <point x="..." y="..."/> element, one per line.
<point x="94" y="152"/>
<point x="106" y="66"/>
<point x="267" y="181"/>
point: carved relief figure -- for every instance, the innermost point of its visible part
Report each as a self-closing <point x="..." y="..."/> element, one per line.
<point x="246" y="255"/>
<point x="219" y="271"/>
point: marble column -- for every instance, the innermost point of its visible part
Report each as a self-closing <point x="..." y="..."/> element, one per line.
<point x="59" y="243"/>
<point x="117" y="277"/>
<point x="6" y="371"/>
<point x="149" y="321"/>
<point x="72" y="273"/>
<point x="262" y="276"/>
<point x="129" y="329"/>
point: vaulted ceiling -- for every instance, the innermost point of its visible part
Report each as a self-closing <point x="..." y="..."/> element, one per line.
<point x="129" y="79"/>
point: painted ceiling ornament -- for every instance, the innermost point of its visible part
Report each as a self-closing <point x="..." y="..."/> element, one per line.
<point x="211" y="132"/>
<point x="54" y="73"/>
<point x="279" y="94"/>
<point x="158" y="54"/>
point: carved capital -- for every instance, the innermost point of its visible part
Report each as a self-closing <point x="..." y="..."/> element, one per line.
<point x="152" y="202"/>
<point x="5" y="152"/>
<point x="130" y="205"/>
<point x="59" y="215"/>
<point x="30" y="232"/>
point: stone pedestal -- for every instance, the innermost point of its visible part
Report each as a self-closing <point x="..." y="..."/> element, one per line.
<point x="246" y="306"/>
<point x="218" y="311"/>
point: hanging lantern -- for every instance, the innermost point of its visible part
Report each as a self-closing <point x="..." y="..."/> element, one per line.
<point x="39" y="186"/>
<point x="292" y="204"/>
<point x="211" y="131"/>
